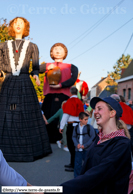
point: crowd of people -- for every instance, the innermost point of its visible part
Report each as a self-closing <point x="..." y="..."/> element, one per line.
<point x="99" y="135"/>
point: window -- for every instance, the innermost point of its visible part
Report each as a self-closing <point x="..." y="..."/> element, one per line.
<point x="129" y="93"/>
<point x="124" y="93"/>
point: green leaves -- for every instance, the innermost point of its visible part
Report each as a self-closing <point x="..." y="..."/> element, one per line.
<point x="4" y="31"/>
<point x="39" y="89"/>
<point x="121" y="63"/>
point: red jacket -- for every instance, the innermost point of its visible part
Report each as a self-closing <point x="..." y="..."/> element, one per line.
<point x="73" y="107"/>
<point x="127" y="115"/>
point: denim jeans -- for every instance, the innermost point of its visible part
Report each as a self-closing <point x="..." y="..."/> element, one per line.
<point x="79" y="158"/>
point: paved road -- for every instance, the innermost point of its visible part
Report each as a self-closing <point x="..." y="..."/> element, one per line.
<point x="48" y="171"/>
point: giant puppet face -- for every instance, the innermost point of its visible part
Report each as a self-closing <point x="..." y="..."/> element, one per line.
<point x="19" y="26"/>
<point x="58" y="52"/>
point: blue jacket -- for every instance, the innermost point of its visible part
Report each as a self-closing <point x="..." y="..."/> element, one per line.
<point x="106" y="169"/>
<point x="87" y="140"/>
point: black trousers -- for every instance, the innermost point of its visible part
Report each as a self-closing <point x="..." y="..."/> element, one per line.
<point x="70" y="143"/>
<point x="51" y="104"/>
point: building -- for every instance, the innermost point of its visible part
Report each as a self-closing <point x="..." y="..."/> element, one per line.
<point x="108" y="91"/>
<point x="101" y="86"/>
<point x="125" y="84"/>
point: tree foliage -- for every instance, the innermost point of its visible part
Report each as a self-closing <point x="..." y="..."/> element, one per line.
<point x="121" y="63"/>
<point x="39" y="89"/>
<point x="4" y="31"/>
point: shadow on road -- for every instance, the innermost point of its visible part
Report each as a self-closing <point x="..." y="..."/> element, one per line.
<point x="48" y="171"/>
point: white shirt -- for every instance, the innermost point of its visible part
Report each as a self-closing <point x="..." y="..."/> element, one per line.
<point x="68" y="118"/>
<point x="81" y="136"/>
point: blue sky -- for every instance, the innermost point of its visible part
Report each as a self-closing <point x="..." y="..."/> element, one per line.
<point x="66" y="20"/>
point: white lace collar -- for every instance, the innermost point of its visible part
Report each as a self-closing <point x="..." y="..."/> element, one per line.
<point x="16" y="71"/>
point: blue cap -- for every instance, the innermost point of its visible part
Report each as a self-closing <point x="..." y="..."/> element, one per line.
<point x="112" y="102"/>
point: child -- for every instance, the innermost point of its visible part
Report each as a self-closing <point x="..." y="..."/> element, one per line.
<point x="83" y="136"/>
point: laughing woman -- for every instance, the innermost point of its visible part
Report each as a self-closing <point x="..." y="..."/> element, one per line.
<point x="107" y="166"/>
<point x="23" y="135"/>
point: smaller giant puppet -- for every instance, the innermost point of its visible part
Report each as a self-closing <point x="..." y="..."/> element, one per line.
<point x="82" y="86"/>
<point x="23" y="135"/>
<point x="56" y="92"/>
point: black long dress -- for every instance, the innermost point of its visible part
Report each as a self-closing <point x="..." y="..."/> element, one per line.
<point x="23" y="135"/>
<point x="50" y="105"/>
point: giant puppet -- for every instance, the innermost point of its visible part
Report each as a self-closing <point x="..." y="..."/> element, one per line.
<point x="82" y="86"/>
<point x="55" y="93"/>
<point x="23" y="135"/>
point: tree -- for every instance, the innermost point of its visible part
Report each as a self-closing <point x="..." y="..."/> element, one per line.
<point x="39" y="89"/>
<point x="4" y="31"/>
<point x="121" y="63"/>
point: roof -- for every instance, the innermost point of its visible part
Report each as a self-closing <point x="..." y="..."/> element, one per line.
<point x="99" y="82"/>
<point x="107" y="93"/>
<point x="128" y="71"/>
<point x="125" y="79"/>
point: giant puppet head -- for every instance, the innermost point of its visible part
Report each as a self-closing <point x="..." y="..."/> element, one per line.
<point x="19" y="26"/>
<point x="58" y="51"/>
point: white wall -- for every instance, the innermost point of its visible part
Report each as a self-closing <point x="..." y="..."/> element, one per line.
<point x="93" y="92"/>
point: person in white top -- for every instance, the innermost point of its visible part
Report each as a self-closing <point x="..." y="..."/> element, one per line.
<point x="71" y="110"/>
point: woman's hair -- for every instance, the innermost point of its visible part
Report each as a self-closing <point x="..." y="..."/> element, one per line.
<point x="58" y="44"/>
<point x="89" y="113"/>
<point x="120" y="124"/>
<point x="11" y="31"/>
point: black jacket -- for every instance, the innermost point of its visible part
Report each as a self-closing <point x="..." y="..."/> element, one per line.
<point x="106" y="169"/>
